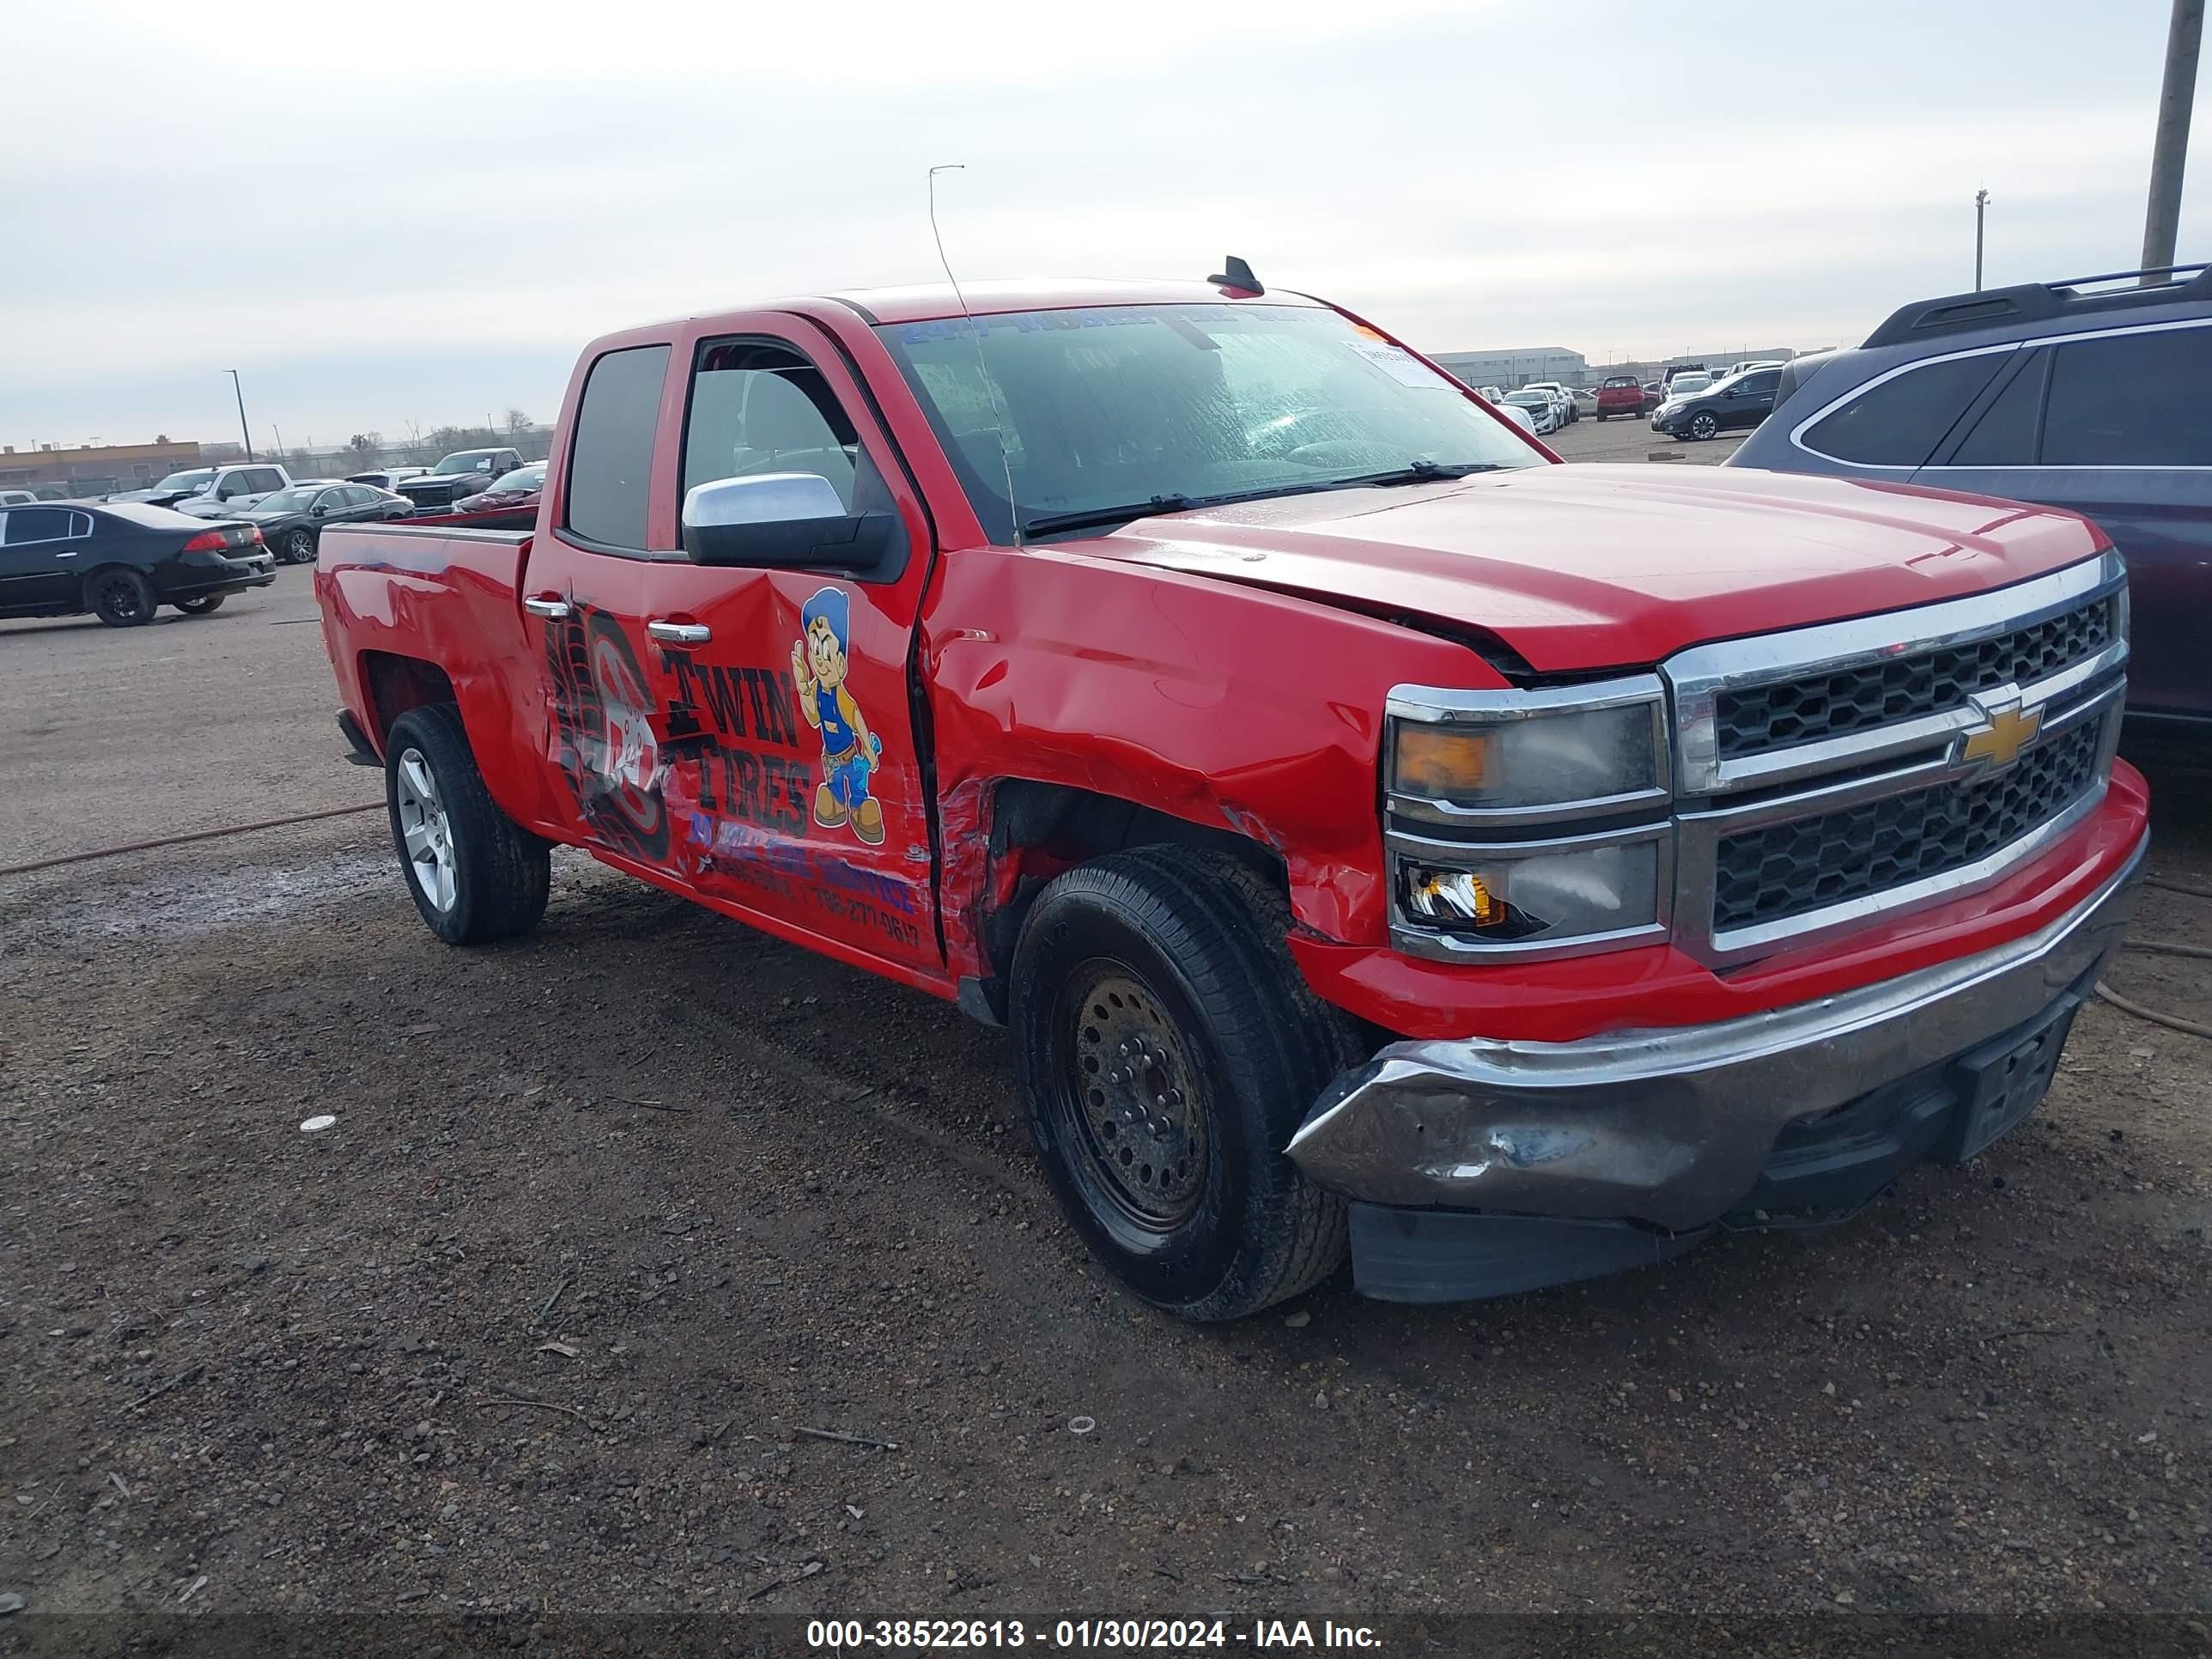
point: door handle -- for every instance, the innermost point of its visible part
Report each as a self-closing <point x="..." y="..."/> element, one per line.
<point x="70" y="554"/>
<point x="676" y="633"/>
<point x="551" y="609"/>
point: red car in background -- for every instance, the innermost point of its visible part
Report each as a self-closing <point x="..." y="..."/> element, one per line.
<point x="1621" y="394"/>
<point x="510" y="490"/>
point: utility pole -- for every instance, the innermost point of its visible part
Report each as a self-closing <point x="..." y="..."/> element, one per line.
<point x="1981" y="208"/>
<point x="2162" y="223"/>
<point x="244" y="431"/>
<point x="279" y="431"/>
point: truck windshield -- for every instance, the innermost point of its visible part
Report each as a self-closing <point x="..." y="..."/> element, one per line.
<point x="468" y="460"/>
<point x="197" y="479"/>
<point x="1119" y="404"/>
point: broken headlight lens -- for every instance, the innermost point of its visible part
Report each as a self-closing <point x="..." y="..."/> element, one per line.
<point x="1503" y="895"/>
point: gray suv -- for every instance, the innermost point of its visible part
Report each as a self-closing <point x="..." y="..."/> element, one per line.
<point x="2073" y="395"/>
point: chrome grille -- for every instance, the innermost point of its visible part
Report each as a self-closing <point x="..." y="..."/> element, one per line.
<point x="1804" y="864"/>
<point x="1830" y="776"/>
<point x="1755" y="718"/>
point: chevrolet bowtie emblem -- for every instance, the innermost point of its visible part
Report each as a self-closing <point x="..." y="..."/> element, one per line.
<point x="2010" y="729"/>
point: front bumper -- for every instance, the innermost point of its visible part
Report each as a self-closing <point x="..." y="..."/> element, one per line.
<point x="1672" y="1128"/>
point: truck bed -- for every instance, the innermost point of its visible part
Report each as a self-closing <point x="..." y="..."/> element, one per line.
<point x="405" y="606"/>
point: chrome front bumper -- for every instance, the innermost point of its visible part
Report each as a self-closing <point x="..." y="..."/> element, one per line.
<point x="1670" y="1127"/>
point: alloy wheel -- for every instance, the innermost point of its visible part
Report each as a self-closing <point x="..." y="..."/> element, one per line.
<point x="423" y="826"/>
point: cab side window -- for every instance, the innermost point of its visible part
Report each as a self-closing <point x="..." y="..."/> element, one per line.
<point x="758" y="407"/>
<point x="611" y="455"/>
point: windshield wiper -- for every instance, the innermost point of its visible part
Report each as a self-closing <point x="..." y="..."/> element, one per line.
<point x="1422" y="472"/>
<point x="1091" y="518"/>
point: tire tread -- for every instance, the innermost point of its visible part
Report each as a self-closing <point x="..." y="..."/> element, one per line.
<point x="507" y="872"/>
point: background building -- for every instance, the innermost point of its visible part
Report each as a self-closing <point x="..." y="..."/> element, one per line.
<point x="55" y="471"/>
<point x="1509" y="369"/>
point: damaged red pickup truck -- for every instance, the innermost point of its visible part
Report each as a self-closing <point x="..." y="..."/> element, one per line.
<point x="1377" y="835"/>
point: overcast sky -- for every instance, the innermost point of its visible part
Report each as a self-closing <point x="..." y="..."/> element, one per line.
<point x="420" y="216"/>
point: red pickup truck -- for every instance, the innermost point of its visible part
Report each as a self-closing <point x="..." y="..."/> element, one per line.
<point x="1376" y="836"/>
<point x="1621" y="394"/>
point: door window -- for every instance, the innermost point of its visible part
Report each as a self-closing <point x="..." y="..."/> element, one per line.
<point x="1760" y="384"/>
<point x="26" y="525"/>
<point x="758" y="407"/>
<point x="2130" y="400"/>
<point x="1899" y="421"/>
<point x="611" y="456"/>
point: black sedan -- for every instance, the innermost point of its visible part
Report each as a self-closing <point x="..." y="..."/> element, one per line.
<point x="292" y="520"/>
<point x="1741" y="400"/>
<point x="122" y="560"/>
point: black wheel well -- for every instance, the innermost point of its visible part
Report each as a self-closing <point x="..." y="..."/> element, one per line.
<point x="1045" y="828"/>
<point x="398" y="683"/>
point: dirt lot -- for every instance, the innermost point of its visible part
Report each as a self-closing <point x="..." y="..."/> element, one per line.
<point x="608" y="1216"/>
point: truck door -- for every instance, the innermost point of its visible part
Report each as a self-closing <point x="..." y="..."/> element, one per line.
<point x="582" y="600"/>
<point x="791" y="772"/>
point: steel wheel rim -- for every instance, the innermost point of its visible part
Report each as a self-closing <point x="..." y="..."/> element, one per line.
<point x="1135" y="1103"/>
<point x="424" y="829"/>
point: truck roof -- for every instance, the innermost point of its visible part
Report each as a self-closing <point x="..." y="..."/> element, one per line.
<point x="921" y="302"/>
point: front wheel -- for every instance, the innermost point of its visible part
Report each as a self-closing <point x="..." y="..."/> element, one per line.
<point x="206" y="605"/>
<point x="1705" y="426"/>
<point x="299" y="547"/>
<point x="1166" y="1049"/>
<point x="475" y="874"/>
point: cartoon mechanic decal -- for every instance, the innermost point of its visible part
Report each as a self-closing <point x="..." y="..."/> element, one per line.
<point x="819" y="666"/>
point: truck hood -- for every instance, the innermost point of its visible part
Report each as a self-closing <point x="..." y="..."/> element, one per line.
<point x="1589" y="566"/>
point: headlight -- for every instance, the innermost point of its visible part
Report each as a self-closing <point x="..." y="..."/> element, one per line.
<point x="1576" y="888"/>
<point x="1527" y="821"/>
<point x="1481" y="754"/>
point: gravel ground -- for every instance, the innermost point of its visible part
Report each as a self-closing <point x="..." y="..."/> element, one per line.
<point x="609" y="1216"/>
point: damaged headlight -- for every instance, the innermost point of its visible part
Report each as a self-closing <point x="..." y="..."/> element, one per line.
<point x="1528" y="822"/>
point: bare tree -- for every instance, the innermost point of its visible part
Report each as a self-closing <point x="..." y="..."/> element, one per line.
<point x="517" y="424"/>
<point x="368" y="447"/>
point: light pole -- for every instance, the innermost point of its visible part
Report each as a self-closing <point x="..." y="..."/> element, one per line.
<point x="2170" y="149"/>
<point x="1981" y="208"/>
<point x="244" y="431"/>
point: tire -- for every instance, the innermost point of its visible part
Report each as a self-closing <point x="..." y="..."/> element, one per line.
<point x="121" y="599"/>
<point x="299" y="546"/>
<point x="206" y="605"/>
<point x="1180" y="953"/>
<point x="483" y="877"/>
<point x="1704" y="427"/>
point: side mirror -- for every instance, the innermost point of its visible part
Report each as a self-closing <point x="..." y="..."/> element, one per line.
<point x="788" y="519"/>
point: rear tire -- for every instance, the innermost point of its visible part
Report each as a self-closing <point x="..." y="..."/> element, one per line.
<point x="121" y="599"/>
<point x="1166" y="1049"/>
<point x="206" y="605"/>
<point x="475" y="874"/>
